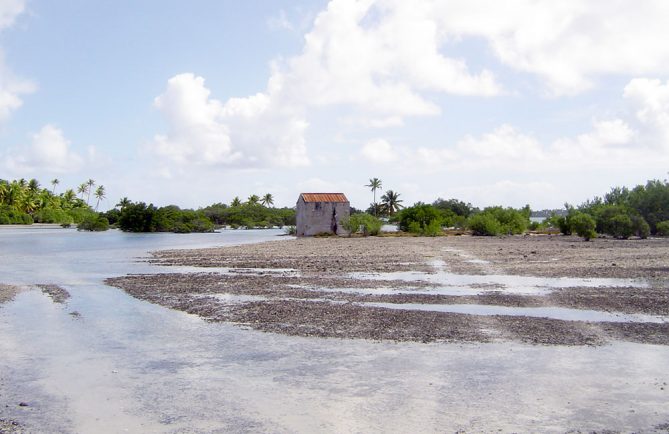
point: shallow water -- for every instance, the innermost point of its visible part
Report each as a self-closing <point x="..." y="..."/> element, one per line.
<point x="561" y="313"/>
<point x="521" y="285"/>
<point x="124" y="365"/>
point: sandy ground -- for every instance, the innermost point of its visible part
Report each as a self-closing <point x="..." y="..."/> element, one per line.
<point x="309" y="287"/>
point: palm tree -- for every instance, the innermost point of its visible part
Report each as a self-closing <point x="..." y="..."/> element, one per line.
<point x="15" y="193"/>
<point x="267" y="200"/>
<point x="54" y="182"/>
<point x="99" y="194"/>
<point x="68" y="198"/>
<point x="33" y="185"/>
<point x="391" y="202"/>
<point x="90" y="183"/>
<point x="123" y="203"/>
<point x="374" y="184"/>
<point x="83" y="188"/>
<point x="4" y="190"/>
<point x="253" y="199"/>
<point x="236" y="201"/>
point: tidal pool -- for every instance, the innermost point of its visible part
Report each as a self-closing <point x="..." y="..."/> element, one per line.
<point x="123" y="365"/>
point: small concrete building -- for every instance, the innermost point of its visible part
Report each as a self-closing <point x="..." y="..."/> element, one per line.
<point x="319" y="213"/>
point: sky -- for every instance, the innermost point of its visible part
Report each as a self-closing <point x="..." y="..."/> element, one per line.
<point x="193" y="103"/>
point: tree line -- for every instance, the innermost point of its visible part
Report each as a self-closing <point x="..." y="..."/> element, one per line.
<point x="622" y="213"/>
<point x="255" y="212"/>
<point x="26" y="201"/>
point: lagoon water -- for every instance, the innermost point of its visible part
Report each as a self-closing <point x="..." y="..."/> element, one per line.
<point x="106" y="362"/>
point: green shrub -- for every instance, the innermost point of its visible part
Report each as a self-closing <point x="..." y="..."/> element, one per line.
<point x="137" y="217"/>
<point x="641" y="227"/>
<point x="10" y="216"/>
<point x="498" y="220"/>
<point x="362" y="222"/>
<point x="291" y="230"/>
<point x="53" y="215"/>
<point x="662" y="228"/>
<point x="584" y="225"/>
<point x="432" y="229"/>
<point x="78" y="215"/>
<point x="414" y="228"/>
<point x="484" y="225"/>
<point x="418" y="218"/>
<point x="619" y="226"/>
<point x="95" y="223"/>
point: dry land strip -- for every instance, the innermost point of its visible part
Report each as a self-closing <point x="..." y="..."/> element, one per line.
<point x="401" y="288"/>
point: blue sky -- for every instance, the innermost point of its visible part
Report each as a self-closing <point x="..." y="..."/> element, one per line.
<point x="192" y="103"/>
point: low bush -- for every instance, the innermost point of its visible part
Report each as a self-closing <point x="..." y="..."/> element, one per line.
<point x="662" y="228"/>
<point x="421" y="219"/>
<point x="95" y="223"/>
<point x="53" y="215"/>
<point x="498" y="220"/>
<point x="484" y="225"/>
<point x="584" y="225"/>
<point x="10" y="216"/>
<point x="362" y="222"/>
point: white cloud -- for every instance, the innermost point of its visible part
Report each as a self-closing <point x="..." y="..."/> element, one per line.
<point x="9" y="10"/>
<point x="379" y="151"/>
<point x="387" y="56"/>
<point x="650" y="101"/>
<point x="243" y="132"/>
<point x="515" y="193"/>
<point x="11" y="87"/>
<point x="377" y="56"/>
<point x="622" y="142"/>
<point x="280" y="22"/>
<point x="48" y="151"/>
<point x="503" y="143"/>
<point x="569" y="43"/>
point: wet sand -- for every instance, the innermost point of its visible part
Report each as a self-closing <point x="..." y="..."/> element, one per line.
<point x="332" y="287"/>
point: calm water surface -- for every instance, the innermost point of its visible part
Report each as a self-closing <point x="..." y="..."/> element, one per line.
<point x="123" y="365"/>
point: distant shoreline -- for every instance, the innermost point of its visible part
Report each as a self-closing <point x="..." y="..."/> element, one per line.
<point x="34" y="226"/>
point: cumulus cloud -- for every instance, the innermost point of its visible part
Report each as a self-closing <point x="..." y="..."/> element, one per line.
<point x="513" y="192"/>
<point x="379" y="150"/>
<point x="638" y="140"/>
<point x="505" y="142"/>
<point x="247" y="132"/>
<point x="11" y="86"/>
<point x="9" y="10"/>
<point x="567" y="44"/>
<point x="381" y="61"/>
<point x="48" y="151"/>
<point x="380" y="57"/>
<point x="649" y="99"/>
<point x="387" y="55"/>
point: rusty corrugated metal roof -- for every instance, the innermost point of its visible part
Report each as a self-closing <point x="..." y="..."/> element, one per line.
<point x="324" y="197"/>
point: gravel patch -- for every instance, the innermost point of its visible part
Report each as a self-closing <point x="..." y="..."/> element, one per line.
<point x="307" y="287"/>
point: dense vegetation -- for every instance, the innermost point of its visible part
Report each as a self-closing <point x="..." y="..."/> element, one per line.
<point x="140" y="217"/>
<point x="621" y="213"/>
<point x="25" y="202"/>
